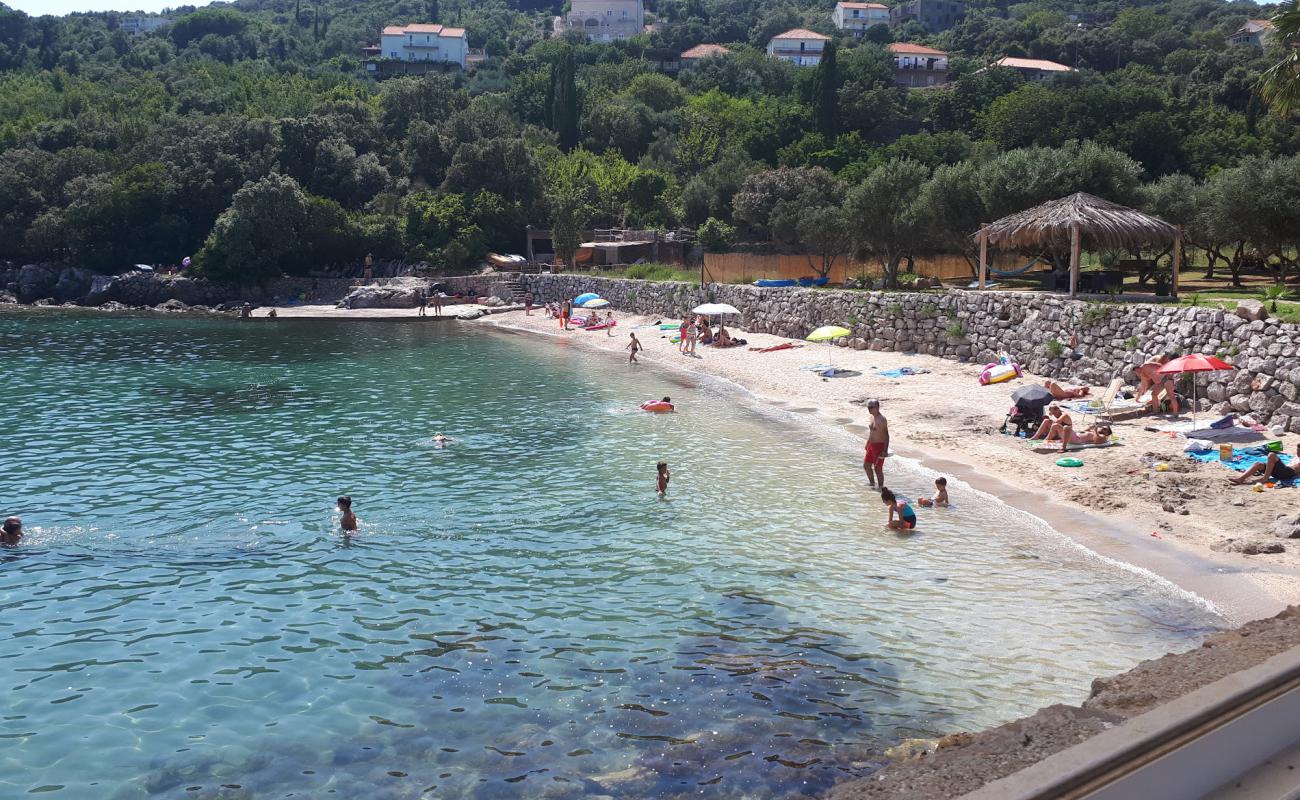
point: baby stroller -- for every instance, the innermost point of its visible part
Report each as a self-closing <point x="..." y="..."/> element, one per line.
<point x="1025" y="417"/>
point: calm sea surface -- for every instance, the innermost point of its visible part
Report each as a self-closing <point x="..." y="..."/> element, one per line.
<point x="519" y="616"/>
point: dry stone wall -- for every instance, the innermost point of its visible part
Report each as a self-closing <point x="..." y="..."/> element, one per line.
<point x="1036" y="329"/>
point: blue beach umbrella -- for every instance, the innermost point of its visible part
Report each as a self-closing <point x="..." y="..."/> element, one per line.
<point x="582" y="298"/>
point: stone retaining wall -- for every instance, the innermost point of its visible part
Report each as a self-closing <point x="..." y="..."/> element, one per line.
<point x="1035" y="328"/>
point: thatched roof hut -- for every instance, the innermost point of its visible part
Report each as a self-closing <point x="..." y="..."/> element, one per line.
<point x="1080" y="219"/>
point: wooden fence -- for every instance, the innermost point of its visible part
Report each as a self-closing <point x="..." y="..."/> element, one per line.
<point x="747" y="267"/>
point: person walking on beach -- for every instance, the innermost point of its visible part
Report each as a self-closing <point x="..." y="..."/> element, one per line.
<point x="347" y="520"/>
<point x="609" y="323"/>
<point x="683" y="331"/>
<point x="661" y="481"/>
<point x="424" y="302"/>
<point x="528" y="304"/>
<point x="633" y="347"/>
<point x="877" y="446"/>
<point x="565" y="311"/>
<point x="437" y="304"/>
<point x="12" y="533"/>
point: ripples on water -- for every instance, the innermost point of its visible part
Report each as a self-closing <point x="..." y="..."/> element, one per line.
<point x="519" y="616"/>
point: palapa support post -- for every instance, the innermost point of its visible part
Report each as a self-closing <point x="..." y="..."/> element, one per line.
<point x="1178" y="258"/>
<point x="1074" y="259"/>
<point x="984" y="258"/>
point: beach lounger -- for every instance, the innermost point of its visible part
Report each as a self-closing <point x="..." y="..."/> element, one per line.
<point x="1104" y="406"/>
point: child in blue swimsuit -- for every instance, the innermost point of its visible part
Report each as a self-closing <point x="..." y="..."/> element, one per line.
<point x="906" y="516"/>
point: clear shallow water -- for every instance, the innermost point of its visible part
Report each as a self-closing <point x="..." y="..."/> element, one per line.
<point x="519" y="617"/>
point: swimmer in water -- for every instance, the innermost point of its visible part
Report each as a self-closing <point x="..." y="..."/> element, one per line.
<point x="661" y="482"/>
<point x="12" y="533"/>
<point x="439" y="440"/>
<point x="347" y="520"/>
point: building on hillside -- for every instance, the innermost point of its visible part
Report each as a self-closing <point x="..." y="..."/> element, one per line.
<point x="855" y="18"/>
<point x="935" y="15"/>
<point x="1034" y="69"/>
<point x="139" y="26"/>
<point x="1255" y="32"/>
<point x="799" y="46"/>
<point x="603" y="21"/>
<point x="702" y="51"/>
<point x="917" y="65"/>
<point x="419" y="44"/>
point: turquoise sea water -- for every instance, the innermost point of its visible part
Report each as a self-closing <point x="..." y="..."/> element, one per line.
<point x="519" y="616"/>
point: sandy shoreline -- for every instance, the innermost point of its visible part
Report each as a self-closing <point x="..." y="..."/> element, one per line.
<point x="944" y="419"/>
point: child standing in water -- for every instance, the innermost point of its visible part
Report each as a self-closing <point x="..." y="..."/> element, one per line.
<point x="661" y="483"/>
<point x="347" y="520"/>
<point x="906" y="516"/>
<point x="940" y="494"/>
<point x="633" y="347"/>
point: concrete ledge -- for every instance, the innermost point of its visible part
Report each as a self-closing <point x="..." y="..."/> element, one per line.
<point x="1182" y="749"/>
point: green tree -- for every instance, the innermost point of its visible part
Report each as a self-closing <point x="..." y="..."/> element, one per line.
<point x="564" y="110"/>
<point x="716" y="235"/>
<point x="1279" y="86"/>
<point x="882" y="211"/>
<point x="252" y="239"/>
<point x="569" y="195"/>
<point x="825" y="94"/>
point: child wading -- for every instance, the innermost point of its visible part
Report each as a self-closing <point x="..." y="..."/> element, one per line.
<point x="633" y="347"/>
<point x="661" y="481"/>
<point x="940" y="494"/>
<point x="906" y="516"/>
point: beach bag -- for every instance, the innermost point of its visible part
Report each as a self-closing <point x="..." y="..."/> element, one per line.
<point x="1273" y="447"/>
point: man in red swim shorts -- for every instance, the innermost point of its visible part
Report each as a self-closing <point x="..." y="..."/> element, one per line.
<point x="877" y="446"/>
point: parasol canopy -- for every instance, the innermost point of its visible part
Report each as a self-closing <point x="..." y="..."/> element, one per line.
<point x="828" y="333"/>
<point x="709" y="309"/>
<point x="1196" y="362"/>
<point x="1032" y="396"/>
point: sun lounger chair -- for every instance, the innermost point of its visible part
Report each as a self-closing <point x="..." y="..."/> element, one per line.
<point x="1102" y="407"/>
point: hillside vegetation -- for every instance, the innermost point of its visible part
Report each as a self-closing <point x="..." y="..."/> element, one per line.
<point x="250" y="136"/>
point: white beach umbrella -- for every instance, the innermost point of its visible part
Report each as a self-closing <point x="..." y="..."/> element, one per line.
<point x="710" y="309"/>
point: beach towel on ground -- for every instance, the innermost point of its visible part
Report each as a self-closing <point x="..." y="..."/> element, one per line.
<point x="1055" y="447"/>
<point x="1242" y="461"/>
<point x="902" y="372"/>
<point x="1199" y="430"/>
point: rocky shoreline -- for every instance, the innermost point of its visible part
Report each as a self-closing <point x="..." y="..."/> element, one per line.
<point x="961" y="763"/>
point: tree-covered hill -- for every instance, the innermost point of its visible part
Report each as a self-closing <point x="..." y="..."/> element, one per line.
<point x="250" y="135"/>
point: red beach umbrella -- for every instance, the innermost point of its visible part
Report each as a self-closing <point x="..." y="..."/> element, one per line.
<point x="1196" y="362"/>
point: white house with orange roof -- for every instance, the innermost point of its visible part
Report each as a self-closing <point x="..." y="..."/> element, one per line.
<point x="918" y="65"/>
<point x="422" y="42"/>
<point x="855" y="18"/>
<point x="1034" y="69"/>
<point x="799" y="46"/>
<point x="1254" y="33"/>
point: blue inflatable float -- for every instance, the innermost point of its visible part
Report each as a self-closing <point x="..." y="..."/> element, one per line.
<point x="772" y="282"/>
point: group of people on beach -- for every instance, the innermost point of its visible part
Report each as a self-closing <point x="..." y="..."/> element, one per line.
<point x="698" y="330"/>
<point x="901" y="514"/>
<point x="1058" y="426"/>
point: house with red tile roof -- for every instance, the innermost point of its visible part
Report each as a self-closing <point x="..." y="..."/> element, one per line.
<point x="918" y="65"/>
<point x="422" y="42"/>
<point x="855" y="18"/>
<point x="799" y="46"/>
<point x="1034" y="69"/>
<point x="703" y="51"/>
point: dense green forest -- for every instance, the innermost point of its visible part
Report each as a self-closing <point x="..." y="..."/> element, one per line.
<point x="249" y="136"/>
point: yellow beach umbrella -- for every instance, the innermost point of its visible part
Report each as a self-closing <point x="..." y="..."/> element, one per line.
<point x="828" y="334"/>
